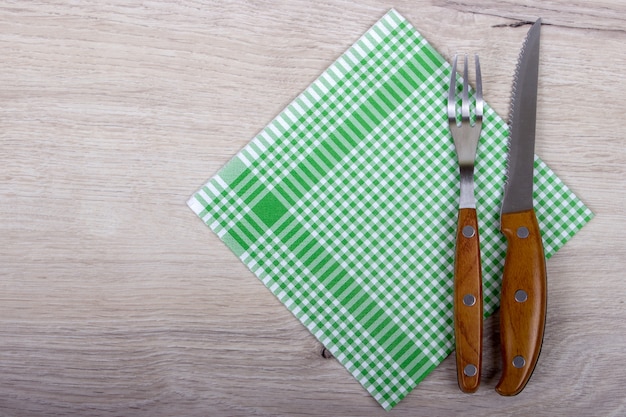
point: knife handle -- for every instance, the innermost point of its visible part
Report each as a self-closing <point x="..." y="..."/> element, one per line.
<point x="468" y="302"/>
<point x="523" y="300"/>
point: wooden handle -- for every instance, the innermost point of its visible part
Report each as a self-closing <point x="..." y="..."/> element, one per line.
<point x="523" y="302"/>
<point x="468" y="302"/>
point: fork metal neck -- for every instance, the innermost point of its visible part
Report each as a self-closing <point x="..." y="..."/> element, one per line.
<point x="466" y="198"/>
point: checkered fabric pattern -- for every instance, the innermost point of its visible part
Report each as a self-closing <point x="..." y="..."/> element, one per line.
<point x="345" y="207"/>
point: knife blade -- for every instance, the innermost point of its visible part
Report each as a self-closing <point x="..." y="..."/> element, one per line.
<point x="523" y="297"/>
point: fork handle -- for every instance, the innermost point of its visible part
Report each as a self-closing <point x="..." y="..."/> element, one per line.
<point x="468" y="302"/>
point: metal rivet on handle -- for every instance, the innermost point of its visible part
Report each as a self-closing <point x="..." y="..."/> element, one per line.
<point x="470" y="370"/>
<point x="469" y="300"/>
<point x="519" y="361"/>
<point x="523" y="232"/>
<point x="521" y="296"/>
<point x="468" y="231"/>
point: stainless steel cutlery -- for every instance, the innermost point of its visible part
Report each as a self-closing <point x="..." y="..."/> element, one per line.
<point x="523" y="296"/>
<point x="468" y="300"/>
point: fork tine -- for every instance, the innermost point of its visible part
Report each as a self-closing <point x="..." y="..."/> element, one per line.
<point x="465" y="113"/>
<point x="479" y="91"/>
<point x="452" y="94"/>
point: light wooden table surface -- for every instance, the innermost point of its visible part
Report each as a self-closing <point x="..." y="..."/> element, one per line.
<point x="115" y="300"/>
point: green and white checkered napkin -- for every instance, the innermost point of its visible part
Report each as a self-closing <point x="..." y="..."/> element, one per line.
<point x="345" y="207"/>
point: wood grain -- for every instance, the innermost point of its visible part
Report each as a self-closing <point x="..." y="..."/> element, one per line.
<point x="468" y="315"/>
<point x="116" y="300"/>
<point x="523" y="301"/>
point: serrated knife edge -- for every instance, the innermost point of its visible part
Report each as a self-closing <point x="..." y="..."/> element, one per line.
<point x="518" y="189"/>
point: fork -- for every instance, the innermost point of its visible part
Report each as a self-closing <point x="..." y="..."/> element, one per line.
<point x="468" y="300"/>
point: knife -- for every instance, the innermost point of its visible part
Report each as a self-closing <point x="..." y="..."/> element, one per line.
<point x="523" y="298"/>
